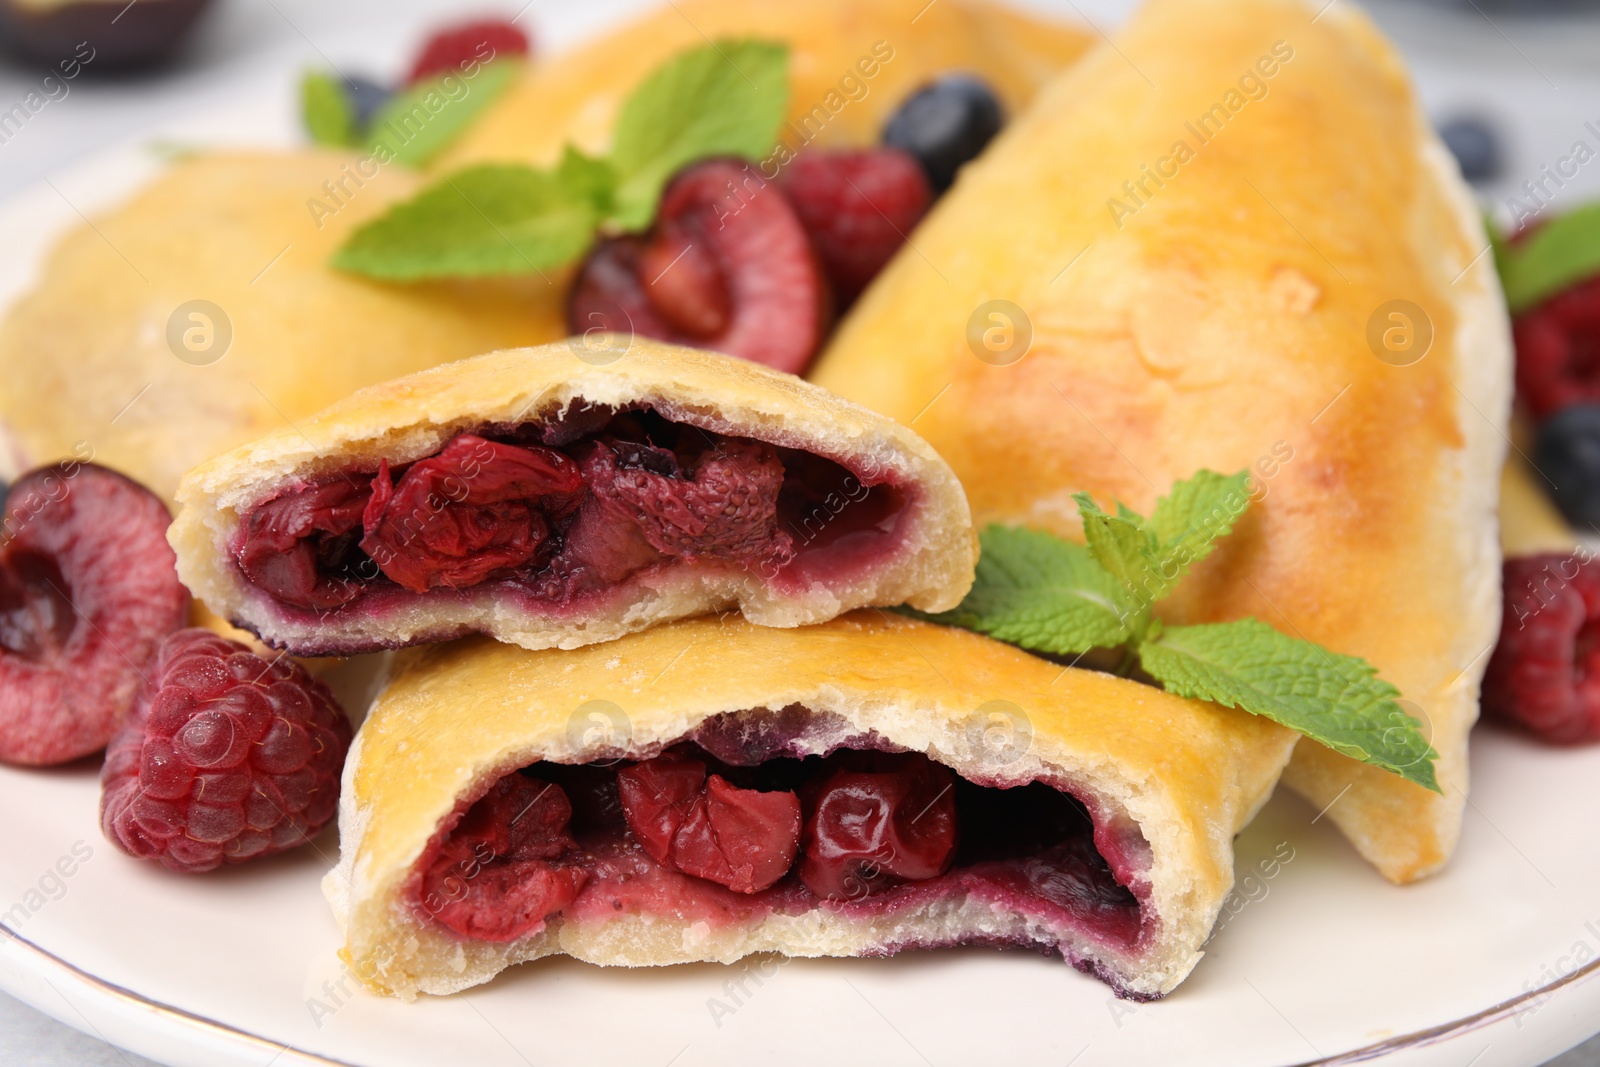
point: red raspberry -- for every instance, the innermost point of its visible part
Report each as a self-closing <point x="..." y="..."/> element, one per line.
<point x="1558" y="350"/>
<point x="224" y="757"/>
<point x="454" y="48"/>
<point x="1545" y="672"/>
<point x="858" y="208"/>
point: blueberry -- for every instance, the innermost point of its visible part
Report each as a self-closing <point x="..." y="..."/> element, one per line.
<point x="1568" y="454"/>
<point x="944" y="124"/>
<point x="1475" y="145"/>
<point x="366" y="97"/>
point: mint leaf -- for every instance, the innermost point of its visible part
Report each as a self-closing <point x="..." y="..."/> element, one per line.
<point x="418" y="122"/>
<point x="1557" y="255"/>
<point x="1125" y="548"/>
<point x="1336" y="700"/>
<point x="329" y="116"/>
<point x="1043" y="593"/>
<point x="727" y="98"/>
<point x="588" y="177"/>
<point x="1188" y="521"/>
<point x="490" y="219"/>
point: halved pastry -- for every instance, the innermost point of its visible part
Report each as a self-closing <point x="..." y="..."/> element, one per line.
<point x="569" y="494"/>
<point x="710" y="789"/>
<point x="1232" y="241"/>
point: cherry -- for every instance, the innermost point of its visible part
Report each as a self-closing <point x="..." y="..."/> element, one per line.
<point x="867" y="831"/>
<point x="299" y="545"/>
<point x="491" y="879"/>
<point x="728" y="266"/>
<point x="475" y="508"/>
<point x="88" y="590"/>
<point x="744" y="839"/>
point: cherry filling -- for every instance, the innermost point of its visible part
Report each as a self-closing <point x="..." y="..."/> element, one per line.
<point x="473" y="509"/>
<point x="557" y="512"/>
<point x="732" y="825"/>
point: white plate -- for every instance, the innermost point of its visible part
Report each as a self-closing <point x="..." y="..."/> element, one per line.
<point x="1492" y="964"/>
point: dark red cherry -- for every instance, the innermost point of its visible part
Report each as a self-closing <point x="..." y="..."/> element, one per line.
<point x="744" y="839"/>
<point x="728" y="266"/>
<point x="868" y="831"/>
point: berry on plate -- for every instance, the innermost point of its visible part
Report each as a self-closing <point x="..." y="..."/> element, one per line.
<point x="88" y="588"/>
<point x="944" y="125"/>
<point x="454" y="48"/>
<point x="858" y="208"/>
<point x="225" y="756"/>
<point x="1545" y="673"/>
<point x="1568" y="454"/>
<point x="1558" y="350"/>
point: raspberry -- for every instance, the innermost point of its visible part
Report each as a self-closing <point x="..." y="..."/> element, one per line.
<point x="225" y="757"/>
<point x="455" y="48"/>
<point x="1544" y="674"/>
<point x="88" y="588"/>
<point x="726" y="507"/>
<point x="858" y="208"/>
<point x="1558" y="350"/>
<point x="727" y="266"/>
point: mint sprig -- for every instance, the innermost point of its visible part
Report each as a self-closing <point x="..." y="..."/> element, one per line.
<point x="1558" y="255"/>
<point x="415" y="124"/>
<point x="1061" y="598"/>
<point x="501" y="220"/>
<point x="726" y="98"/>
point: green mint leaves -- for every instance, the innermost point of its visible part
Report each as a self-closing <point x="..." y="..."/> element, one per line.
<point x="1038" y="591"/>
<point x="1060" y="598"/>
<point x="415" y="124"/>
<point x="1563" y="252"/>
<point x="726" y="98"/>
<point x="500" y="219"/>
<point x="1337" y="700"/>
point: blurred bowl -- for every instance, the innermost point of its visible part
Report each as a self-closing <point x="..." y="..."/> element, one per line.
<point x="123" y="35"/>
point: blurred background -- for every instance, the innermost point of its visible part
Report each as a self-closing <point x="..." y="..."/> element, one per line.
<point x="1513" y="85"/>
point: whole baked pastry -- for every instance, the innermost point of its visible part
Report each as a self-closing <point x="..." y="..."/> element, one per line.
<point x="569" y="494"/>
<point x="1233" y="242"/>
<point x="710" y="789"/>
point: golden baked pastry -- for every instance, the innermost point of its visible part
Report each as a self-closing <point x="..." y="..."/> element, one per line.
<point x="105" y="353"/>
<point x="569" y="494"/>
<point x="852" y="63"/>
<point x="1232" y="241"/>
<point x="1119" y="860"/>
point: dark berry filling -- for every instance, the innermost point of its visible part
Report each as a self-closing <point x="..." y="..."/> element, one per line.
<point x="561" y="512"/>
<point x="762" y="812"/>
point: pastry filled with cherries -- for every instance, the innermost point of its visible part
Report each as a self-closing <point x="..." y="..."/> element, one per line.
<point x="571" y="494"/>
<point x="822" y="791"/>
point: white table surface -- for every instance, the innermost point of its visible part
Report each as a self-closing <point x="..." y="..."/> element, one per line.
<point x="1534" y="78"/>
